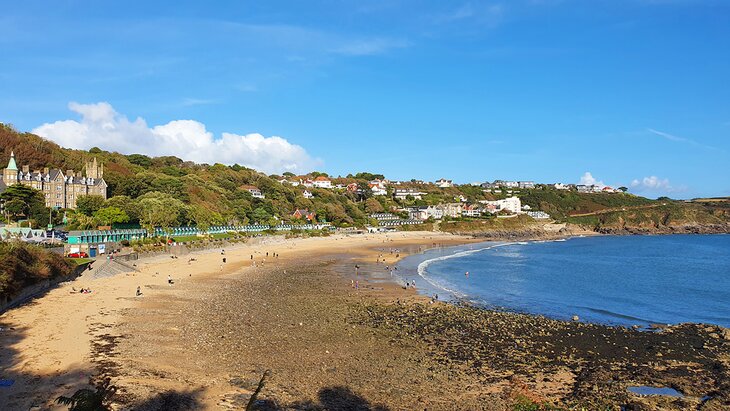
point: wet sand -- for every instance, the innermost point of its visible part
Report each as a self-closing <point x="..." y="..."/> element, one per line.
<point x="204" y="342"/>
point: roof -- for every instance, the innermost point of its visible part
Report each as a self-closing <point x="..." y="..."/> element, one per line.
<point x="11" y="163"/>
<point x="322" y="178"/>
<point x="249" y="187"/>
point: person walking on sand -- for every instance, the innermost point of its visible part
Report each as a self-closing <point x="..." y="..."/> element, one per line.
<point x="357" y="284"/>
<point x="169" y="280"/>
<point x="139" y="291"/>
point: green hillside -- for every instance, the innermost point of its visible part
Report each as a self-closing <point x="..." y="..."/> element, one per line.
<point x="168" y="191"/>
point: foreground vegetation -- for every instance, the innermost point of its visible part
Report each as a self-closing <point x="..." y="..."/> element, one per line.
<point x="22" y="265"/>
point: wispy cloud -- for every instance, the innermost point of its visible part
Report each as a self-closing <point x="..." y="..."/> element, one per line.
<point x="188" y="102"/>
<point x="370" y="47"/>
<point x="678" y="139"/>
<point x="489" y="15"/>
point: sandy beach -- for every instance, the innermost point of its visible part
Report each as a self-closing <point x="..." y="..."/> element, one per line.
<point x="205" y="341"/>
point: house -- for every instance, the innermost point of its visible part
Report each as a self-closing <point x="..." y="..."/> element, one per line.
<point x="608" y="189"/>
<point x="489" y="186"/>
<point x="295" y="183"/>
<point x="403" y="193"/>
<point x="444" y="183"/>
<point x="60" y="190"/>
<point x="560" y="186"/>
<point x="303" y="214"/>
<point x="538" y="215"/>
<point x="322" y="182"/>
<point x="353" y="187"/>
<point x="526" y="207"/>
<point x="582" y="188"/>
<point x="471" y="210"/>
<point x="378" y="182"/>
<point x="451" y="210"/>
<point x="307" y="194"/>
<point x="307" y="183"/>
<point x="526" y="184"/>
<point x="255" y="192"/>
<point x="508" y="184"/>
<point x="434" y="212"/>
<point x="417" y="213"/>
<point x="377" y="190"/>
<point x="511" y="204"/>
<point x="461" y="198"/>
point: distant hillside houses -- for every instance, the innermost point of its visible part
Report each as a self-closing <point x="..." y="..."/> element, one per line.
<point x="511" y="204"/>
<point x="444" y="183"/>
<point x="404" y="193"/>
<point x="322" y="182"/>
<point x="255" y="192"/>
<point x="538" y="215"/>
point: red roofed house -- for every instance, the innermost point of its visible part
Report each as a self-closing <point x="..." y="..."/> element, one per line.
<point x="303" y="214"/>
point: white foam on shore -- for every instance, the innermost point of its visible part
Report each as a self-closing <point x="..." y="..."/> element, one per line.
<point x="422" y="272"/>
<point x="422" y="267"/>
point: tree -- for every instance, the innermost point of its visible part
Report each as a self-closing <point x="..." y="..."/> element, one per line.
<point x="125" y="204"/>
<point x="159" y="210"/>
<point x="30" y="202"/>
<point x="110" y="215"/>
<point x="260" y="215"/>
<point x="89" y="204"/>
<point x="372" y="205"/>
<point x="16" y="208"/>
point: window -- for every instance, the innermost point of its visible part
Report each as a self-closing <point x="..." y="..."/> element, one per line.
<point x="59" y="187"/>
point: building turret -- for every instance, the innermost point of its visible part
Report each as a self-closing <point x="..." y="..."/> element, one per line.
<point x="10" y="174"/>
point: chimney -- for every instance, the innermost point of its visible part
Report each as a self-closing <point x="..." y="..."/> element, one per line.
<point x="45" y="170"/>
<point x="69" y="173"/>
<point x="26" y="169"/>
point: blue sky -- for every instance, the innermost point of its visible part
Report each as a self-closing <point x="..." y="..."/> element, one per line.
<point x="634" y="92"/>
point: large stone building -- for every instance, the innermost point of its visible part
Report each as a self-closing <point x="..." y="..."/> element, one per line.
<point x="61" y="190"/>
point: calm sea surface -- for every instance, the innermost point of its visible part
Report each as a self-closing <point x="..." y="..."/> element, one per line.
<point x="622" y="280"/>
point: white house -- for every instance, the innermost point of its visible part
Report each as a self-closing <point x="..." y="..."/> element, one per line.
<point x="471" y="210"/>
<point x="307" y="194"/>
<point x="322" y="182"/>
<point x="451" y="210"/>
<point x="255" y="192"/>
<point x="560" y="186"/>
<point x="444" y="183"/>
<point x="511" y="204"/>
<point x="402" y="193"/>
<point x="508" y="184"/>
<point x="538" y="215"/>
<point x="377" y="190"/>
<point x="526" y="184"/>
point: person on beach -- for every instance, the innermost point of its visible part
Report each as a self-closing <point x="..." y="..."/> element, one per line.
<point x="413" y="284"/>
<point x="357" y="284"/>
<point x="252" y="256"/>
<point x="139" y="291"/>
<point x="169" y="280"/>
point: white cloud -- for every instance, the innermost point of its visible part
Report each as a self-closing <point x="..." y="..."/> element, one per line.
<point x="589" y="180"/>
<point x="652" y="183"/>
<point x="104" y="127"/>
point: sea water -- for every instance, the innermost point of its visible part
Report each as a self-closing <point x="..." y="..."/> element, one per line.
<point x="619" y="280"/>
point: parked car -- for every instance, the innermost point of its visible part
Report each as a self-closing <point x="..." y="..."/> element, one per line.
<point x="79" y="254"/>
